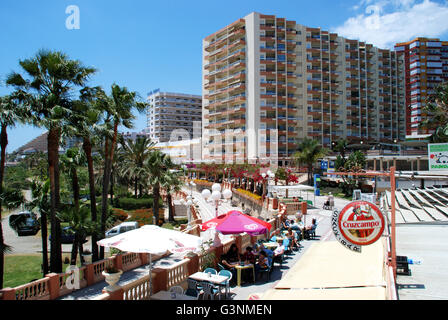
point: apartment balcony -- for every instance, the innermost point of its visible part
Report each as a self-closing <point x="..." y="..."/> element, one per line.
<point x="227" y="124"/>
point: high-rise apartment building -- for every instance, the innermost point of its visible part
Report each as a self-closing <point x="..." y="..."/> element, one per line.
<point x="263" y="73"/>
<point x="426" y="66"/>
<point x="173" y="111"/>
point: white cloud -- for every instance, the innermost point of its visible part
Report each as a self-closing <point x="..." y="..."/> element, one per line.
<point x="384" y="23"/>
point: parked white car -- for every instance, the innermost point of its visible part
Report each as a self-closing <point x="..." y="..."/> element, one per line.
<point x="121" y="228"/>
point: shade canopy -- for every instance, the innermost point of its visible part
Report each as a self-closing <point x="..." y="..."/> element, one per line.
<point x="154" y="240"/>
<point x="361" y="293"/>
<point x="235" y="222"/>
<point x="328" y="264"/>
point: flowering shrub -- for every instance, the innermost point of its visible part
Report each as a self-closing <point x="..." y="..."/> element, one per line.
<point x="202" y="182"/>
<point x="119" y="214"/>
<point x="249" y="194"/>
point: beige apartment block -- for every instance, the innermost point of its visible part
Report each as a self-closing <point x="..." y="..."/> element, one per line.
<point x="269" y="82"/>
<point x="173" y="116"/>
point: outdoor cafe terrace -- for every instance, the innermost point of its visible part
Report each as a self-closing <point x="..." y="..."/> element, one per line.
<point x="318" y="259"/>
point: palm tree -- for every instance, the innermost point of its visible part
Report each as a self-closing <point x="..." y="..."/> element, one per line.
<point x="70" y="161"/>
<point x="84" y="123"/>
<point x="172" y="183"/>
<point x="40" y="194"/>
<point x="437" y="110"/>
<point x="157" y="167"/>
<point x="309" y="152"/>
<point x="81" y="226"/>
<point x="10" y="114"/>
<point x="134" y="154"/>
<point x="119" y="107"/>
<point x="51" y="77"/>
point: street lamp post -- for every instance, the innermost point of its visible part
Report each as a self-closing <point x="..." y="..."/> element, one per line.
<point x="189" y="202"/>
<point x="192" y="184"/>
<point x="266" y="178"/>
<point x="215" y="196"/>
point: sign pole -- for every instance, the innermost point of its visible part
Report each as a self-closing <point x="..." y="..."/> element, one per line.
<point x="393" y="233"/>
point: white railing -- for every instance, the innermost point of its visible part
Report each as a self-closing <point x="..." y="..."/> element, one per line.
<point x="137" y="290"/>
<point x="36" y="290"/>
<point x="178" y="273"/>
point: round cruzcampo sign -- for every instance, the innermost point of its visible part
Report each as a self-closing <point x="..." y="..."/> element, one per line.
<point x="359" y="223"/>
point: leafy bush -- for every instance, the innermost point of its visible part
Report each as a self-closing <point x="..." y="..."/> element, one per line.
<point x="143" y="216"/>
<point x="134" y="204"/>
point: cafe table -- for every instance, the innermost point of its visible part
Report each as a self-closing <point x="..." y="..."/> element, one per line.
<point x="166" y="295"/>
<point x="215" y="279"/>
<point x="280" y="239"/>
<point x="240" y="267"/>
<point x="270" y="245"/>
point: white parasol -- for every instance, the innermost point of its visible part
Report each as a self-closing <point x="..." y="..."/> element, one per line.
<point x="152" y="239"/>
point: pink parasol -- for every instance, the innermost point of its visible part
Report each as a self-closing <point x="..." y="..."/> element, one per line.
<point x="235" y="222"/>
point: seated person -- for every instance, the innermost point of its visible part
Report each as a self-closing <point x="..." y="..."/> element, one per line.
<point x="262" y="263"/>
<point x="292" y="238"/>
<point x="295" y="226"/>
<point x="248" y="256"/>
<point x="267" y="251"/>
<point x="330" y="200"/>
<point x="285" y="224"/>
<point x="230" y="259"/>
<point x="279" y="251"/>
<point x="274" y="236"/>
<point x="313" y="226"/>
<point x="256" y="250"/>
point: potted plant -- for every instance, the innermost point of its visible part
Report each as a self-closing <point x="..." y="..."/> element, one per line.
<point x="111" y="275"/>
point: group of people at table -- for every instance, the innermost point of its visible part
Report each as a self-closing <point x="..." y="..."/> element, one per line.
<point x="260" y="255"/>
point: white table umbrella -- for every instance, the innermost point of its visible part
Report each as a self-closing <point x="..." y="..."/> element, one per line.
<point x="152" y="239"/>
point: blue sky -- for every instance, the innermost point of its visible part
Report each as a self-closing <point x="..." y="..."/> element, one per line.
<point x="157" y="44"/>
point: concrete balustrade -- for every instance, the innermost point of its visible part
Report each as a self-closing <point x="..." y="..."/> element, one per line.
<point x="53" y="285"/>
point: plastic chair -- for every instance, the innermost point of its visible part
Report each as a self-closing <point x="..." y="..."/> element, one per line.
<point x="221" y="267"/>
<point x="286" y="246"/>
<point x="209" y="290"/>
<point x="211" y="270"/>
<point x="311" y="234"/>
<point x="228" y="274"/>
<point x="192" y="289"/>
<point x="268" y="269"/>
<point x="177" y="290"/>
<point x="279" y="259"/>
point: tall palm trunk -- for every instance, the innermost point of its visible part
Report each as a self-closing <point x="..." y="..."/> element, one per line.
<point x="109" y="156"/>
<point x="44" y="236"/>
<point x="87" y="146"/>
<point x="75" y="187"/>
<point x="3" y="143"/>
<point x="155" y="204"/>
<point x="53" y="169"/>
<point x="169" y="199"/>
<point x="74" y="250"/>
<point x="104" y="193"/>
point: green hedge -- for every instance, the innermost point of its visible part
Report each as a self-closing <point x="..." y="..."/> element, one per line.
<point x="134" y="204"/>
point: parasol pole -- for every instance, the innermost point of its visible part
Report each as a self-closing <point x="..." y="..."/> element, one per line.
<point x="150" y="274"/>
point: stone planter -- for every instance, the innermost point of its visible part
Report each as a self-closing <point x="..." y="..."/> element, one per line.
<point x="112" y="279"/>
